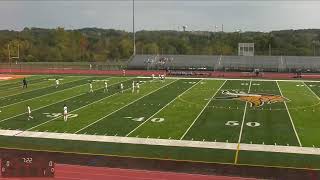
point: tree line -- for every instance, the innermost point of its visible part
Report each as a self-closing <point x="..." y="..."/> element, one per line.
<point x="100" y="45"/>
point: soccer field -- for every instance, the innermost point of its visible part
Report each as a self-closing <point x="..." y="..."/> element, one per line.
<point x="233" y="121"/>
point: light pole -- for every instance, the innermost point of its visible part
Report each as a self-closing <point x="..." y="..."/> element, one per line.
<point x="133" y="29"/>
<point x="184" y="28"/>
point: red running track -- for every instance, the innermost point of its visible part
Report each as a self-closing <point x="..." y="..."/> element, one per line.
<point x="75" y="172"/>
<point x="215" y="74"/>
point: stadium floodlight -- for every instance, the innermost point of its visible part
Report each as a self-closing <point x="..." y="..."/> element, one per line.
<point x="184" y="28"/>
<point x="133" y="30"/>
<point x="216" y="28"/>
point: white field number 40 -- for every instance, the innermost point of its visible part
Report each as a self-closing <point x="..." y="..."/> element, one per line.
<point x="140" y="119"/>
<point x="56" y="115"/>
<point x="236" y="123"/>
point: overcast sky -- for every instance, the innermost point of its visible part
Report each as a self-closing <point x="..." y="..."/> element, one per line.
<point x="159" y="15"/>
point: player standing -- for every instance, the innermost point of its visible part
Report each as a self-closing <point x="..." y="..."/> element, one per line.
<point x="65" y="113"/>
<point x="105" y="86"/>
<point x="121" y="87"/>
<point x="25" y="83"/>
<point x="57" y="83"/>
<point x="29" y="112"/>
<point x="152" y="76"/>
<point x="133" y="86"/>
<point x="90" y="86"/>
<point x="138" y="87"/>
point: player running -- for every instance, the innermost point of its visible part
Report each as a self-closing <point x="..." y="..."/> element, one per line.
<point x="65" y="113"/>
<point x="90" y="86"/>
<point x="121" y="87"/>
<point x="29" y="112"/>
<point x="105" y="86"/>
<point x="57" y="83"/>
<point x="25" y="83"/>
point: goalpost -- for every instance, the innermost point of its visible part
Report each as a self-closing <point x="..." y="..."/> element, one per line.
<point x="10" y="57"/>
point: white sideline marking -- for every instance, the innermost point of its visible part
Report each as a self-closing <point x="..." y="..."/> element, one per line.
<point x="202" y="111"/>
<point x="285" y="104"/>
<point x="45" y="94"/>
<point x="165" y="142"/>
<point x="238" y="79"/>
<point x="162" y="108"/>
<point x="81" y="106"/>
<point x="244" y="114"/>
<point x="122" y="107"/>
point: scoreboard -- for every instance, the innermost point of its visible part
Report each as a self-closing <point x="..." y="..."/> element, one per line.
<point x="27" y="165"/>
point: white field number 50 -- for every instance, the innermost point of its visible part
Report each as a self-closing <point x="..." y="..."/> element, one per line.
<point x="236" y="123"/>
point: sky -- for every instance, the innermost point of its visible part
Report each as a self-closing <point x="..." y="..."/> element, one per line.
<point x="207" y="15"/>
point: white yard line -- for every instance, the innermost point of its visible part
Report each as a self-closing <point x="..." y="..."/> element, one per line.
<point x="58" y="91"/>
<point x="82" y="106"/>
<point x="5" y="97"/>
<point x="164" y="142"/>
<point x="194" y="121"/>
<point x="285" y="104"/>
<point x="122" y="108"/>
<point x="163" y="108"/>
<point x="244" y="114"/>
<point x="47" y="105"/>
<point x="311" y="91"/>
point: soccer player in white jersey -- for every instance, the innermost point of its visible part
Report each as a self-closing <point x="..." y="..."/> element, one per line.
<point x="105" y="86"/>
<point x="152" y="76"/>
<point x="29" y="112"/>
<point x="57" y="83"/>
<point x="162" y="77"/>
<point x="121" y="87"/>
<point x="133" y="86"/>
<point x="65" y="113"/>
<point x="138" y="87"/>
<point x="90" y="86"/>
